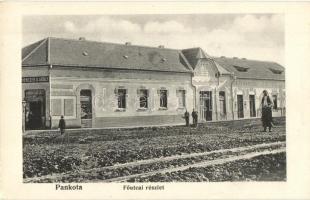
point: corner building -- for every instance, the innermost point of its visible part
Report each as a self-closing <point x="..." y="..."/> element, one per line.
<point x="97" y="85"/>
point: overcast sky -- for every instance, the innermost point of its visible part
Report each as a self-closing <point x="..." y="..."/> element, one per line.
<point x="253" y="36"/>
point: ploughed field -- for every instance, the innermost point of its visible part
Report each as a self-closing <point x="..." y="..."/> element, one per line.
<point x="222" y="151"/>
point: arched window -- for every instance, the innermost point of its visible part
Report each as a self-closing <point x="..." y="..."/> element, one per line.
<point x="163" y="98"/>
<point x="143" y="95"/>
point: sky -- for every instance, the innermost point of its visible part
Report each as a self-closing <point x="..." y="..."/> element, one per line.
<point x="251" y="36"/>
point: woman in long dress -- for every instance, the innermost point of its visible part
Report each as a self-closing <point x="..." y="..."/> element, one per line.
<point x="266" y="111"/>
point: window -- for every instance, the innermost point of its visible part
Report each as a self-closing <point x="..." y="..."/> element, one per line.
<point x="252" y="106"/>
<point x="240" y="106"/>
<point x="86" y="104"/>
<point x="275" y="101"/>
<point x="68" y="104"/>
<point x="222" y="103"/>
<point x="63" y="105"/>
<point x="121" y="98"/>
<point x="181" y="98"/>
<point x="275" y="71"/>
<point x="163" y="98"/>
<point x="143" y="98"/>
<point x="241" y="69"/>
<point x="56" y="107"/>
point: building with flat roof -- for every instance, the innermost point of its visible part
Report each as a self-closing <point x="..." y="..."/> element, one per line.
<point x="97" y="84"/>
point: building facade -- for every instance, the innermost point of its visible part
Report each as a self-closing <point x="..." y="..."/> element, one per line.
<point x="95" y="84"/>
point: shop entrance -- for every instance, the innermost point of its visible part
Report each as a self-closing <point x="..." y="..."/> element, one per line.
<point x="35" y="109"/>
<point x="86" y="108"/>
<point x="205" y="110"/>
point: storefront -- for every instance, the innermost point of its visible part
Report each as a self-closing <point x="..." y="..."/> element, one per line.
<point x="36" y="102"/>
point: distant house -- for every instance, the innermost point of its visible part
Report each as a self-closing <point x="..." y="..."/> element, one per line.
<point x="96" y="84"/>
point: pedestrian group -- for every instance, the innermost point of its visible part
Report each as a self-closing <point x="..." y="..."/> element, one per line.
<point x="194" y="116"/>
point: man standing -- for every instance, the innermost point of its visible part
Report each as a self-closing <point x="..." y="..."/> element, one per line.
<point x="195" y="117"/>
<point x="186" y="116"/>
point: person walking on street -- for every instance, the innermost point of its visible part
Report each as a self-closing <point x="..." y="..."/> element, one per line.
<point x="186" y="116"/>
<point x="266" y="105"/>
<point x="62" y="127"/>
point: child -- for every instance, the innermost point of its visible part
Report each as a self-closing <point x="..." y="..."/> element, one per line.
<point x="62" y="125"/>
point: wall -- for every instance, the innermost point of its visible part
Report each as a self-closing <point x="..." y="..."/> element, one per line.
<point x="256" y="87"/>
<point x="205" y="79"/>
<point x="66" y="83"/>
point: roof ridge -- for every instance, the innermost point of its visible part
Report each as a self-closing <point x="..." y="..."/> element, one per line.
<point x="246" y="59"/>
<point x="113" y="43"/>
<point x="192" y="48"/>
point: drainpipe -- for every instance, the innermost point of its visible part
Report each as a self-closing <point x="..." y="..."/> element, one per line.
<point x="194" y="102"/>
<point x="215" y="103"/>
<point x="218" y="74"/>
<point x="194" y="95"/>
<point x="232" y="95"/>
<point x="50" y="99"/>
<point x="49" y="78"/>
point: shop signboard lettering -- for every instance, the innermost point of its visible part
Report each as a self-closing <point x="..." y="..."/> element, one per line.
<point x="37" y="79"/>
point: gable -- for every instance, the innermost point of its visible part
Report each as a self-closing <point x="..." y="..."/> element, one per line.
<point x="205" y="67"/>
<point x="205" y="71"/>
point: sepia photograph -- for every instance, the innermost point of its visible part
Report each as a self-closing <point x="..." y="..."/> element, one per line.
<point x="153" y="98"/>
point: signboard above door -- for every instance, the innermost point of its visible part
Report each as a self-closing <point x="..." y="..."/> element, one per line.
<point x="37" y="79"/>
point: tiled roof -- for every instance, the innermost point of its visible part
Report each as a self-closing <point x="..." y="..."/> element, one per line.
<point x="252" y="69"/>
<point x="68" y="52"/>
<point x="84" y="53"/>
<point x="193" y="55"/>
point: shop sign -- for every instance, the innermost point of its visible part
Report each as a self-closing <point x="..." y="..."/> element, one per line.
<point x="37" y="79"/>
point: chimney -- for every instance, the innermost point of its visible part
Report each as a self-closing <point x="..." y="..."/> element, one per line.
<point x="128" y="43"/>
<point x="82" y="38"/>
<point x="161" y="46"/>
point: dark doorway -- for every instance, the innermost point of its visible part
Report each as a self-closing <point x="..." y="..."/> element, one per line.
<point x="36" y="114"/>
<point x="35" y="109"/>
<point x="205" y="109"/>
<point x="86" y="108"/>
<point x="240" y="106"/>
<point x="222" y="100"/>
<point x="252" y="106"/>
